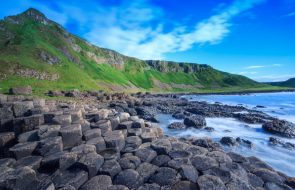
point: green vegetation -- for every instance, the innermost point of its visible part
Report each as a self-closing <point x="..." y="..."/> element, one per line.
<point x="34" y="49"/>
<point x="288" y="83"/>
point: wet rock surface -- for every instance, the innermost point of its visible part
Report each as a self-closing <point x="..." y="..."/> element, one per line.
<point x="107" y="141"/>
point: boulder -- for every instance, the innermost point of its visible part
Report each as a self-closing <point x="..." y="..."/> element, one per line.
<point x="164" y="176"/>
<point x="146" y="170"/>
<point x="110" y="154"/>
<point x="75" y="178"/>
<point x="104" y="125"/>
<point x="149" y="186"/>
<point x="100" y="182"/>
<point x="184" y="185"/>
<point x="29" y="161"/>
<point x="62" y="120"/>
<point x="132" y="144"/>
<point x="129" y="178"/>
<point x="46" y="131"/>
<point x="210" y="182"/>
<point x="129" y="162"/>
<point x="84" y="149"/>
<point x="92" y="133"/>
<point x="146" y="154"/>
<point x="49" y="146"/>
<point x="98" y="142"/>
<point x="71" y="135"/>
<point x="67" y="160"/>
<point x="195" y="121"/>
<point x="280" y="127"/>
<point x="115" y="139"/>
<point x="161" y="146"/>
<point x="203" y="163"/>
<point x="224" y="175"/>
<point x="229" y="141"/>
<point x="24" y="90"/>
<point x="26" y="124"/>
<point x="188" y="172"/>
<point x="161" y="160"/>
<point x="21" y="150"/>
<point x="177" y="125"/>
<point x="91" y="162"/>
<point x="111" y="168"/>
<point x="268" y="175"/>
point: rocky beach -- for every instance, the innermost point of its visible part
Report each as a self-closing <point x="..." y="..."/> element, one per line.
<point x="96" y="140"/>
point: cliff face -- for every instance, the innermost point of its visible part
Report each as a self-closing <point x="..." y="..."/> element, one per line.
<point x="170" y="66"/>
<point x="57" y="59"/>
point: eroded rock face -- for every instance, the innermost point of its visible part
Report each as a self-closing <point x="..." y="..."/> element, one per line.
<point x="280" y="127"/>
<point x="92" y="146"/>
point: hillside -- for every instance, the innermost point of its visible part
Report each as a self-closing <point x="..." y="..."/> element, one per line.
<point x="39" y="52"/>
<point x="288" y="83"/>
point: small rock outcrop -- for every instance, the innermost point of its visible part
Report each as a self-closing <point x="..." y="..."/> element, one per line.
<point x="280" y="127"/>
<point x="21" y="90"/>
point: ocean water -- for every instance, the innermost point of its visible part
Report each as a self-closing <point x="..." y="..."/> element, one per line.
<point x="281" y="105"/>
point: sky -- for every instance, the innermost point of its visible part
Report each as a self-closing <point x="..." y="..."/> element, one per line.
<point x="255" y="38"/>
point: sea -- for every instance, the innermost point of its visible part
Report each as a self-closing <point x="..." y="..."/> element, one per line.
<point x="280" y="105"/>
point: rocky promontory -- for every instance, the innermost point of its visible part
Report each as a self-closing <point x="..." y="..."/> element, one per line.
<point x="95" y="140"/>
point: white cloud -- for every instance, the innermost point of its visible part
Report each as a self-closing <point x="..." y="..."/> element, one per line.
<point x="263" y="66"/>
<point x="290" y="14"/>
<point x="248" y="73"/>
<point x="140" y="29"/>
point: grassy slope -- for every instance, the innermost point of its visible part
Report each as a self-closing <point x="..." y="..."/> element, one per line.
<point x="287" y="83"/>
<point x="31" y="37"/>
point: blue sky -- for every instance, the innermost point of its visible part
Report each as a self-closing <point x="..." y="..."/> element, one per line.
<point x="255" y="38"/>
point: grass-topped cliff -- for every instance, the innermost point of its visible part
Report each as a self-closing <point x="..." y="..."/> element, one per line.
<point x="288" y="83"/>
<point x="39" y="52"/>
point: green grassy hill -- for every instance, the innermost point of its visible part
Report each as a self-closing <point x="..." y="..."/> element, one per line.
<point x="39" y="52"/>
<point x="287" y="83"/>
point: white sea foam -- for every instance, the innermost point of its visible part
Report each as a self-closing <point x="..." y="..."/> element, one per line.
<point x="279" y="158"/>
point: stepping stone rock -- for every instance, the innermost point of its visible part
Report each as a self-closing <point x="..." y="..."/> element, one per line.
<point x="24" y="90"/>
<point x="67" y="160"/>
<point x="203" y="163"/>
<point x="129" y="162"/>
<point x="21" y="150"/>
<point x="161" y="160"/>
<point x="229" y="141"/>
<point x="75" y="178"/>
<point x="100" y="182"/>
<point x="146" y="170"/>
<point x="46" y="131"/>
<point x="177" y="125"/>
<point x="184" y="185"/>
<point x="49" y="146"/>
<point x="98" y="142"/>
<point x="62" y="120"/>
<point x="210" y="182"/>
<point x="189" y="172"/>
<point x="71" y="135"/>
<point x="92" y="133"/>
<point x="29" y="161"/>
<point x="132" y="144"/>
<point x="25" y="124"/>
<point x="164" y="176"/>
<point x="21" y="109"/>
<point x="115" y="139"/>
<point x="104" y="125"/>
<point x="146" y="154"/>
<point x="161" y="146"/>
<point x="92" y="162"/>
<point x="149" y="186"/>
<point x="129" y="178"/>
<point x="84" y="149"/>
<point x="110" y="167"/>
<point x="117" y="187"/>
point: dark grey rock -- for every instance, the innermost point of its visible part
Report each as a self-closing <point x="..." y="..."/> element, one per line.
<point x="188" y="172"/>
<point x="146" y="170"/>
<point x="71" y="135"/>
<point x="210" y="182"/>
<point x="161" y="146"/>
<point x="91" y="162"/>
<point x="46" y="131"/>
<point x="21" y="150"/>
<point x="203" y="163"/>
<point x="115" y="139"/>
<point x="149" y="186"/>
<point x="224" y="175"/>
<point x="132" y="144"/>
<point x="75" y="178"/>
<point x="164" y="176"/>
<point x="98" y="142"/>
<point x="177" y="125"/>
<point x="49" y="146"/>
<point x="92" y="133"/>
<point x="195" y="121"/>
<point x="110" y="154"/>
<point x="146" y="154"/>
<point x="67" y="160"/>
<point x="184" y="185"/>
<point x="30" y="161"/>
<point x="161" y="160"/>
<point x="129" y="162"/>
<point x="268" y="175"/>
<point x="280" y="127"/>
<point x="24" y="90"/>
<point x="62" y="120"/>
<point x="100" y="182"/>
<point x="117" y="187"/>
<point x="129" y="178"/>
<point x="229" y="141"/>
<point x="110" y="167"/>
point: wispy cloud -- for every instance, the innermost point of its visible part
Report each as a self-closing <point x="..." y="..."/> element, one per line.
<point x="138" y="28"/>
<point x="290" y="14"/>
<point x="263" y="66"/>
<point x="248" y="73"/>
